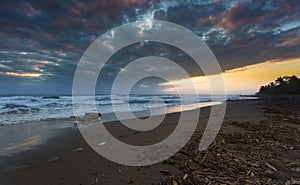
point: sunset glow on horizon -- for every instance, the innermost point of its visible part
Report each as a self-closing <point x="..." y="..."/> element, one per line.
<point x="244" y="80"/>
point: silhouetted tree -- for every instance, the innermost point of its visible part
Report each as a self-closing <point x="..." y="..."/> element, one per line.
<point x="282" y="85"/>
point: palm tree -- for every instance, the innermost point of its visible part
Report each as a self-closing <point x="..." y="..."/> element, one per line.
<point x="279" y="81"/>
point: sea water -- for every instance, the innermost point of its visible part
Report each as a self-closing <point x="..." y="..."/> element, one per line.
<point x="27" y="108"/>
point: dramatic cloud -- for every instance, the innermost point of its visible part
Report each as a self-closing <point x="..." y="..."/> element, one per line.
<point x="42" y="41"/>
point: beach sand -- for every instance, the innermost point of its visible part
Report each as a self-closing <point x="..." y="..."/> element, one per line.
<point x="259" y="143"/>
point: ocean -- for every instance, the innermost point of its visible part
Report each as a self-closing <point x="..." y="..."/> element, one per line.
<point x="27" y="108"/>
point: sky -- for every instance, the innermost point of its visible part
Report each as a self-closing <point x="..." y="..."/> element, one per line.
<point x="41" y="42"/>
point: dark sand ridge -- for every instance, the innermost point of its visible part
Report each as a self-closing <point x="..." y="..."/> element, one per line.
<point x="67" y="159"/>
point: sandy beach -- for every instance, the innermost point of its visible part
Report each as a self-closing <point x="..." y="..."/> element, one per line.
<point x="259" y="143"/>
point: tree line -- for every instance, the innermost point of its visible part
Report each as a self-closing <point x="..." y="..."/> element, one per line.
<point x="282" y="85"/>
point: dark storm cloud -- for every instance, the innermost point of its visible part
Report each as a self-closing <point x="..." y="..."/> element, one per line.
<point x="45" y="39"/>
<point x="252" y="31"/>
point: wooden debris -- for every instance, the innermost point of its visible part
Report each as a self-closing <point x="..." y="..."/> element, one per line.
<point x="241" y="157"/>
<point x="271" y="167"/>
<point x="185" y="176"/>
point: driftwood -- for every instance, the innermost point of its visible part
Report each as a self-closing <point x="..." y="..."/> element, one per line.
<point x="264" y="153"/>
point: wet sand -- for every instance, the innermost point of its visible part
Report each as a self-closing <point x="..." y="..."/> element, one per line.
<point x="259" y="143"/>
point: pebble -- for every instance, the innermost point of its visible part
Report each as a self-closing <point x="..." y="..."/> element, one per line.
<point x="130" y="181"/>
<point x="102" y="143"/>
<point x="77" y="149"/>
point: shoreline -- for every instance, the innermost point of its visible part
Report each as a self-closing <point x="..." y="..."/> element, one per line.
<point x="24" y="134"/>
<point x="67" y="159"/>
<point x="29" y="135"/>
<point x="29" y="109"/>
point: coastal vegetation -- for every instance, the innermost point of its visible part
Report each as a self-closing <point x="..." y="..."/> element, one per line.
<point x="282" y="85"/>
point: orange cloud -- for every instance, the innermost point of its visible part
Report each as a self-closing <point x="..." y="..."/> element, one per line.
<point x="21" y="74"/>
